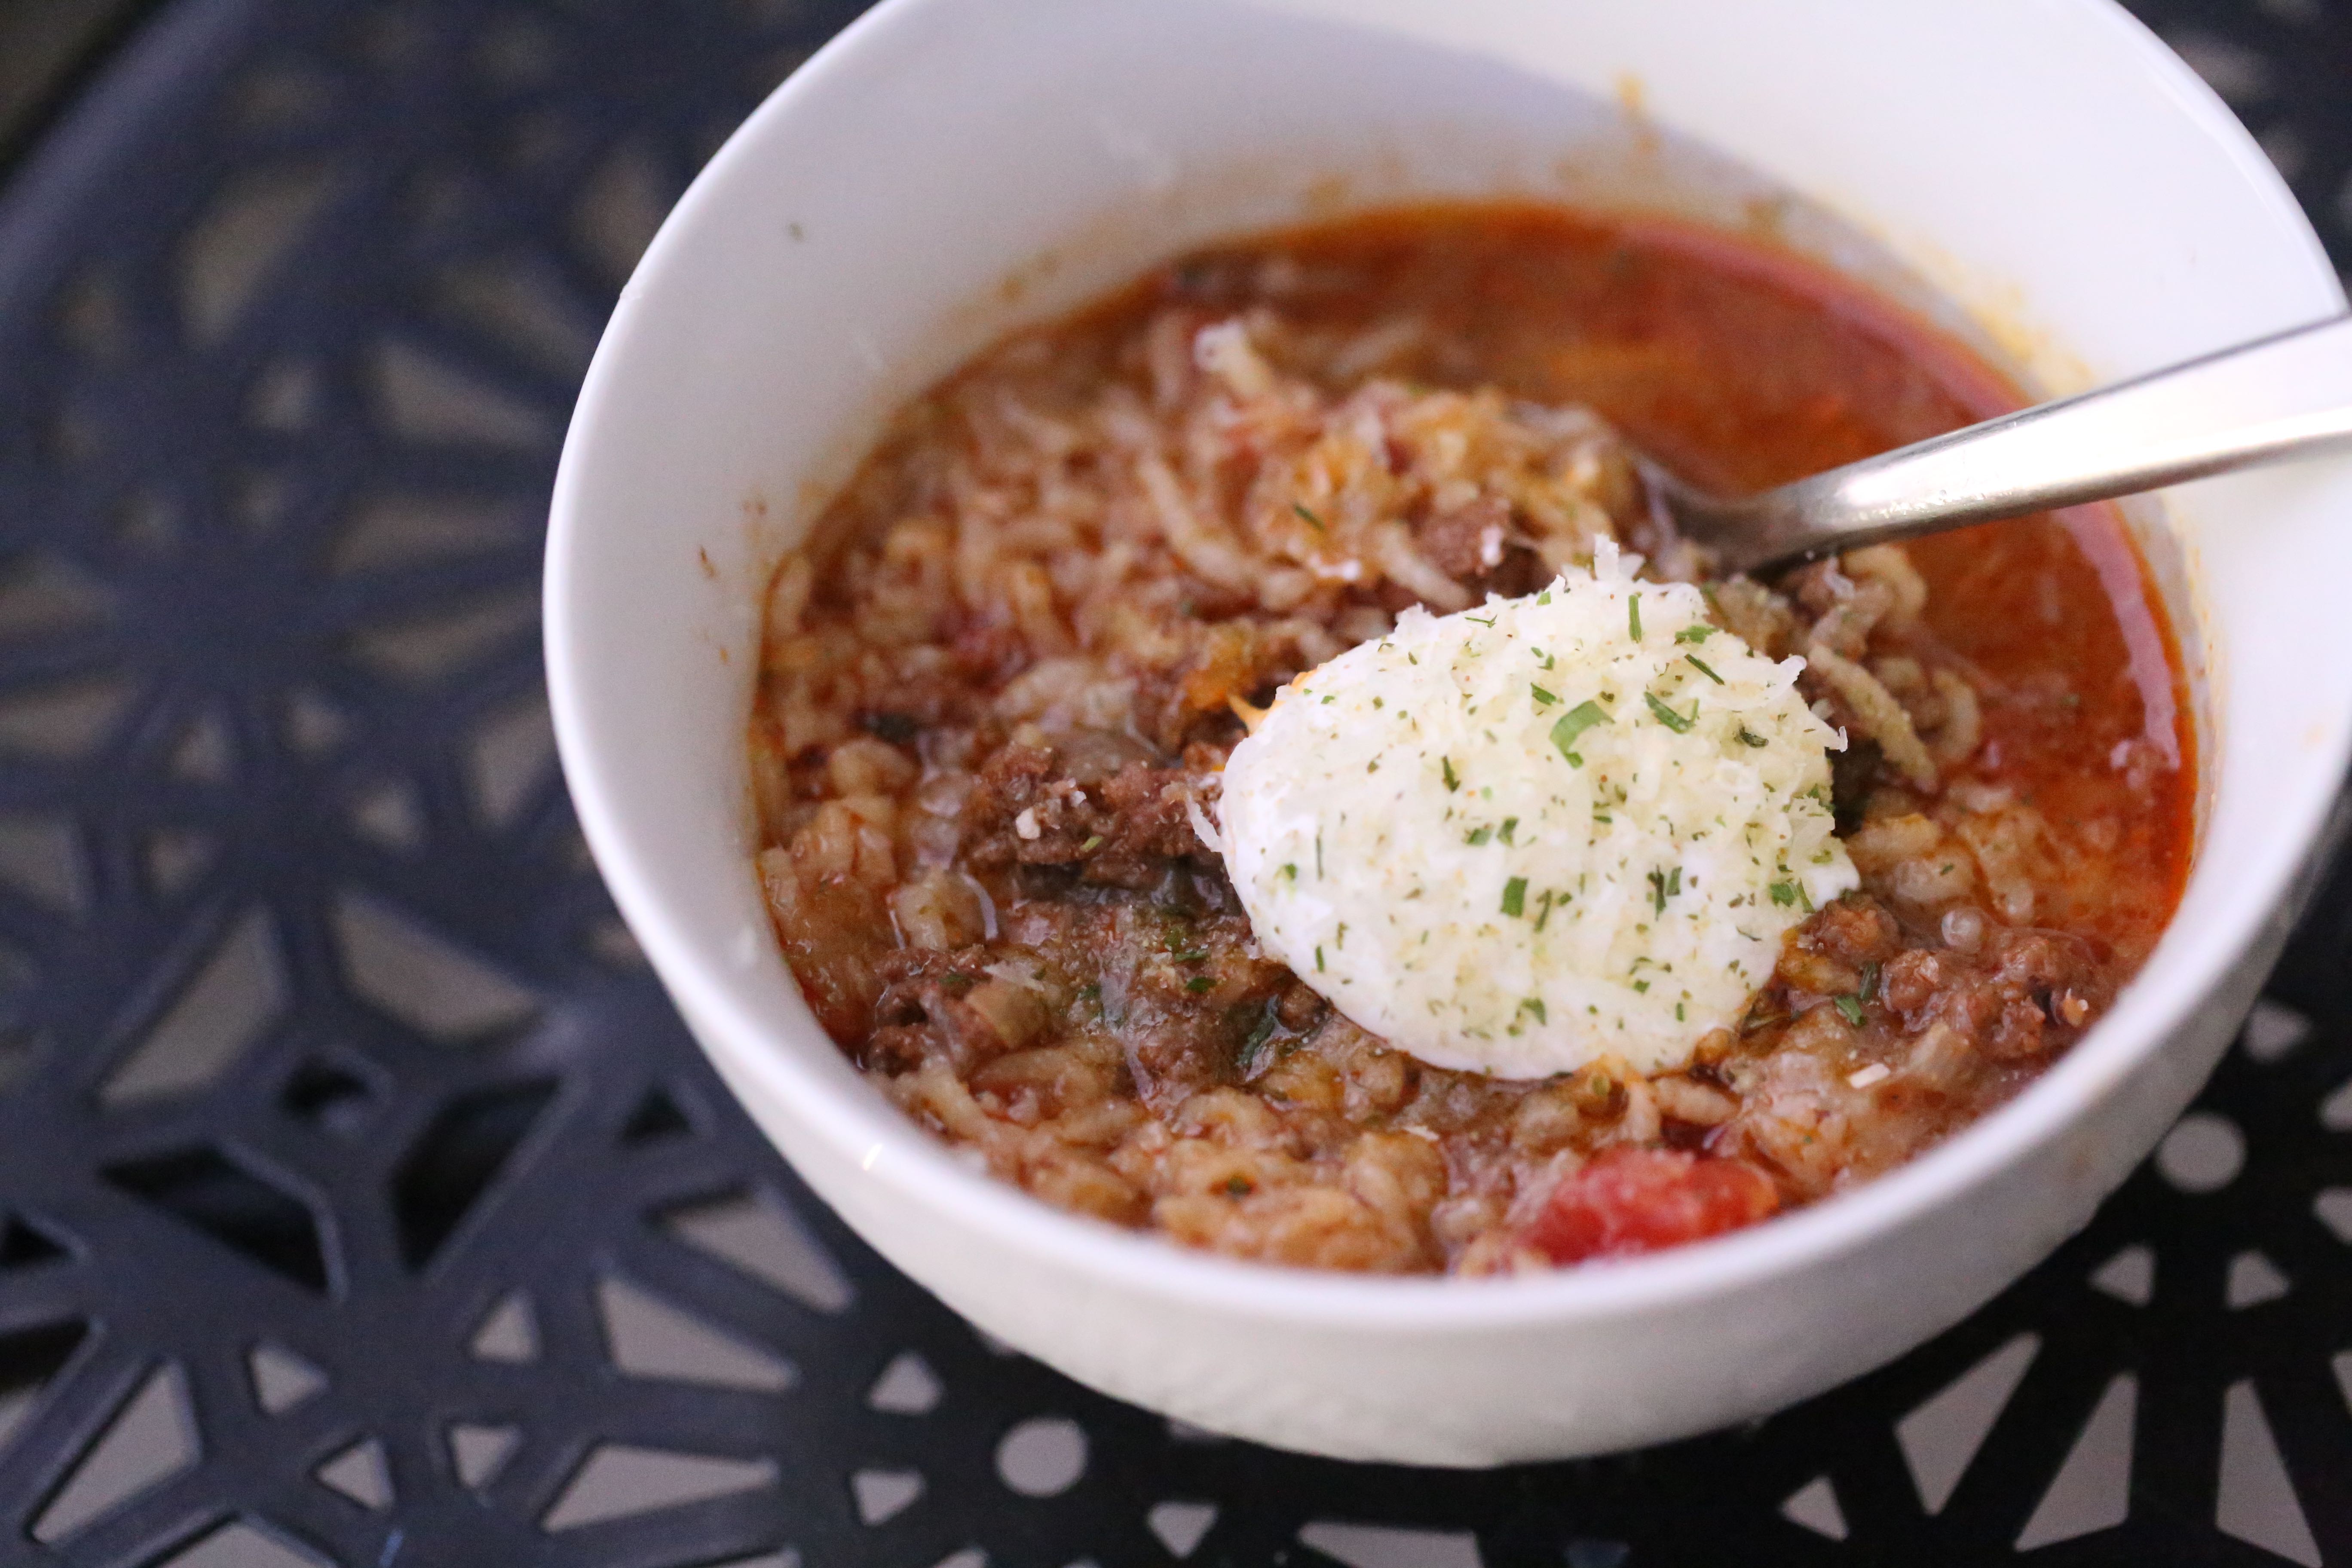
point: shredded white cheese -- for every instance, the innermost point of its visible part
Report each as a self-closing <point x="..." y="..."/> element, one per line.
<point x="1521" y="836"/>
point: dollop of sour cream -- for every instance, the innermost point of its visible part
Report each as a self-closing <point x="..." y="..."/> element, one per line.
<point x="1516" y="838"/>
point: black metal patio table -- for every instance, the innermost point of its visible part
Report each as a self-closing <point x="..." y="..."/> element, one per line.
<point x="362" y="1200"/>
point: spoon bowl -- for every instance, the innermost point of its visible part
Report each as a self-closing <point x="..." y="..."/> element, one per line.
<point x="2277" y="398"/>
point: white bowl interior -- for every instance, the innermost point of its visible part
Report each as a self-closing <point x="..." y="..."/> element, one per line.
<point x="949" y="170"/>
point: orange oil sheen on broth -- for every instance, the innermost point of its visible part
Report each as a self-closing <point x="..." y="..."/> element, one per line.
<point x="1741" y="366"/>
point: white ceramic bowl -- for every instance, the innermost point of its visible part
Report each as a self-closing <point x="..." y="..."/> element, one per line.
<point x="949" y="168"/>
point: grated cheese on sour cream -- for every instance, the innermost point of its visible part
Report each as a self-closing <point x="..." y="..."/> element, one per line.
<point x="1522" y="836"/>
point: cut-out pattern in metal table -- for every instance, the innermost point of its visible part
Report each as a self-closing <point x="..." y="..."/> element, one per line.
<point x="362" y="1203"/>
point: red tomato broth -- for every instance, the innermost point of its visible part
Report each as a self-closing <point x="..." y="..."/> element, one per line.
<point x="1740" y="364"/>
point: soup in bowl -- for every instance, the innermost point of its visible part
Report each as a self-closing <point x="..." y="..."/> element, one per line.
<point x="1012" y="747"/>
<point x="913" y="600"/>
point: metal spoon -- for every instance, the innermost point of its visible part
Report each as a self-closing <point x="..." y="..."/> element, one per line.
<point x="2281" y="397"/>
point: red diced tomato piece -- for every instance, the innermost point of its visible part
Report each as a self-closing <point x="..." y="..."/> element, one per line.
<point x="1639" y="1200"/>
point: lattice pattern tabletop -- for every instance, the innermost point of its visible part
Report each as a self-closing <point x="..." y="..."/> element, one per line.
<point x="361" y="1201"/>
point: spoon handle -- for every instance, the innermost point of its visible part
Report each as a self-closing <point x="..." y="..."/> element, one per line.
<point x="2285" y="397"/>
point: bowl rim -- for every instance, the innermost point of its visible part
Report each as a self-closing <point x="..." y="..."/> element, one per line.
<point x="868" y="1132"/>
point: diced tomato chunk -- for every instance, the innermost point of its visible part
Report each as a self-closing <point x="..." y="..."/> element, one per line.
<point x="1639" y="1200"/>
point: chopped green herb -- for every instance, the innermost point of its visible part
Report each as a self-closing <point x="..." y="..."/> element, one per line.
<point x="1477" y="622"/>
<point x="1850" y="1006"/>
<point x="1700" y="665"/>
<point x="1257" y="1038"/>
<point x="1329" y="699"/>
<point x="1190" y="955"/>
<point x="1290" y="870"/>
<point x="1238" y="1186"/>
<point x="1308" y="518"/>
<point x="1658" y="892"/>
<point x="1678" y="1012"/>
<point x="1641" y="986"/>
<point x="1545" y="913"/>
<point x="1319" y="950"/>
<point x="1677" y="722"/>
<point x="1534" y="1005"/>
<point x="1696" y="633"/>
<point x="1783" y="893"/>
<point x="1510" y="825"/>
<point x="1478" y="837"/>
<point x="1544" y="597"/>
<point x="1377" y="702"/>
<point x="1318" y="854"/>
<point x="1870" y="982"/>
<point x="1200" y="982"/>
<point x="1575" y="722"/>
<point x="1673" y="886"/>
<point x="1093" y="843"/>
<point x="1452" y="780"/>
<point x="1515" y="897"/>
<point x="1543" y="699"/>
<point x="1634" y="616"/>
<point x="956" y="981"/>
